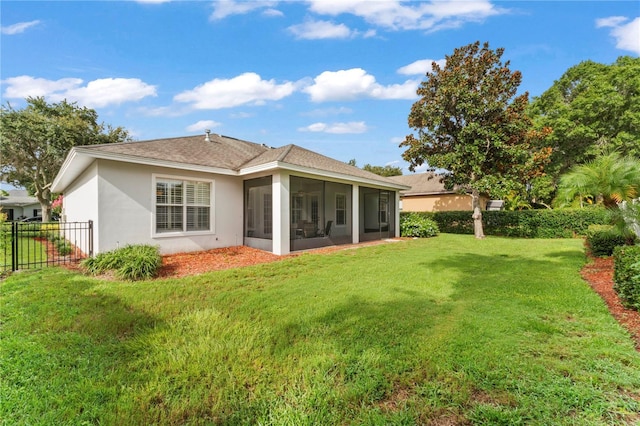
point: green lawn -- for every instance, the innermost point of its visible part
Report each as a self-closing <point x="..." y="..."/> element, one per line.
<point x="448" y="330"/>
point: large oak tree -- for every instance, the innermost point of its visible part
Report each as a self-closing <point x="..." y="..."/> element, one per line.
<point x="470" y="121"/>
<point x="36" y="139"/>
<point x="592" y="109"/>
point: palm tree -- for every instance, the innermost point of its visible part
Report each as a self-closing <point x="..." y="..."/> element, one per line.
<point x="607" y="180"/>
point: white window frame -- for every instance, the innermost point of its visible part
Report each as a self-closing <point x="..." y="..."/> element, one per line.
<point x="160" y="178"/>
<point x="297" y="210"/>
<point x="345" y="209"/>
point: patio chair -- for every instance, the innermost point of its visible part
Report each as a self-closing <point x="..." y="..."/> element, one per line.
<point x="326" y="232"/>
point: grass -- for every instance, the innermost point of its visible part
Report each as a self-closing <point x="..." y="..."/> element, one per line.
<point x="448" y="330"/>
<point x="29" y="251"/>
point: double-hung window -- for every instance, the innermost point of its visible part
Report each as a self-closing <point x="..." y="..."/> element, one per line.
<point x="341" y="209"/>
<point x="182" y="205"/>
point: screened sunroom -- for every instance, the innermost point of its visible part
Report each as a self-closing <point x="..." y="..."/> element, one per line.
<point x="315" y="213"/>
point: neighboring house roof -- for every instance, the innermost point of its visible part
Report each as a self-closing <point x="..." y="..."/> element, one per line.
<point x="17" y="198"/>
<point x="423" y="184"/>
<point x="214" y="154"/>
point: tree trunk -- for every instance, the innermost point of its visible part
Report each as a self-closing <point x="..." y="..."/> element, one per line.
<point x="478" y="231"/>
<point x="43" y="197"/>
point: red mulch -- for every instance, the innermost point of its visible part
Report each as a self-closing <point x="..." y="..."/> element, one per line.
<point x="599" y="274"/>
<point x="184" y="264"/>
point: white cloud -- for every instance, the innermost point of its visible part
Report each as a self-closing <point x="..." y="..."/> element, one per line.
<point x="272" y="13"/>
<point x="336" y="128"/>
<point x="18" y="28"/>
<point x="111" y="91"/>
<point x="316" y="30"/>
<point x="611" y="21"/>
<point x="202" y="125"/>
<point x="224" y="8"/>
<point x="97" y="93"/>
<point x="626" y="34"/>
<point x="26" y="86"/>
<point x="421" y="67"/>
<point x="355" y="83"/>
<point x="247" y="88"/>
<point x="396" y="15"/>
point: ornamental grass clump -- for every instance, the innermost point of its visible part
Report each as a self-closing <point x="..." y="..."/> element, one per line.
<point x="418" y="226"/>
<point x="132" y="262"/>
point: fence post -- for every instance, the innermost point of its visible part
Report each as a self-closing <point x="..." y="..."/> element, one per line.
<point x="14" y="246"/>
<point x="91" y="238"/>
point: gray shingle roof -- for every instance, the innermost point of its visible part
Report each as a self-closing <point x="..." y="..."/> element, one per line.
<point x="298" y="156"/>
<point x="422" y="184"/>
<point x="232" y="154"/>
<point x="17" y="197"/>
<point x="221" y="151"/>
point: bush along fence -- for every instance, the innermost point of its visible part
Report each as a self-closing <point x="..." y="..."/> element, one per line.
<point x="36" y="245"/>
<point x="561" y="223"/>
<point x="626" y="275"/>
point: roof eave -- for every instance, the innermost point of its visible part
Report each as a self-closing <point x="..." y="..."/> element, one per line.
<point x="274" y="165"/>
<point x="79" y="159"/>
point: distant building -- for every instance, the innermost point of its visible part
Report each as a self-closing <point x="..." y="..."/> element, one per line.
<point x="19" y="205"/>
<point x="428" y="194"/>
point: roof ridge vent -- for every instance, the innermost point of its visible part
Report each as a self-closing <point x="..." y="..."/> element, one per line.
<point x="207" y="137"/>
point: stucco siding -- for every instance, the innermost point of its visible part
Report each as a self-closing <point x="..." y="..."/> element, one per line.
<point x="80" y="201"/>
<point x="435" y="203"/>
<point x="125" y="197"/>
<point x="438" y="203"/>
<point x="20" y="212"/>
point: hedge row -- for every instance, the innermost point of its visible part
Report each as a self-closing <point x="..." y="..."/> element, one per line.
<point x="561" y="223"/>
<point x="626" y="275"/>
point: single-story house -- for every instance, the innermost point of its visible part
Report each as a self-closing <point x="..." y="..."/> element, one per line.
<point x="210" y="191"/>
<point x="18" y="204"/>
<point x="427" y="193"/>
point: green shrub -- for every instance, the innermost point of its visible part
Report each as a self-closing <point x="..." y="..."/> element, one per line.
<point x="602" y="239"/>
<point x="49" y="231"/>
<point x="63" y="247"/>
<point x="560" y="223"/>
<point x="417" y="225"/>
<point x="626" y="275"/>
<point x="132" y="262"/>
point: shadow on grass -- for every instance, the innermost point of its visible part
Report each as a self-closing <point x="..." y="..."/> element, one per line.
<point x="70" y="336"/>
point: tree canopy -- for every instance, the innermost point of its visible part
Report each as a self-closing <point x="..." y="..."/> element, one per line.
<point x="379" y="170"/>
<point x="470" y="121"/>
<point x="607" y="180"/>
<point x="36" y="139"/>
<point x="383" y="170"/>
<point x="593" y="108"/>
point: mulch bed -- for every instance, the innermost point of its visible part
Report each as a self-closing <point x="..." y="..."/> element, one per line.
<point x="598" y="273"/>
<point x="184" y="264"/>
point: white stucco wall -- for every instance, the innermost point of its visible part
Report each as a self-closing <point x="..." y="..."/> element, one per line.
<point x="80" y="201"/>
<point x="119" y="198"/>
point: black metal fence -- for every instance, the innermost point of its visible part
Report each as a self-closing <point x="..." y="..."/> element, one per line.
<point x="28" y="245"/>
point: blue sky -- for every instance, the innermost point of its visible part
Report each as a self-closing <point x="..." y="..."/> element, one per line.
<point x="334" y="76"/>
